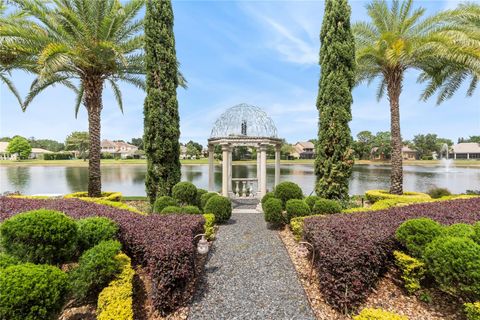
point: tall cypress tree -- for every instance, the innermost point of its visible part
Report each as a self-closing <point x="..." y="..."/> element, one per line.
<point x="333" y="165"/>
<point x="161" y="118"/>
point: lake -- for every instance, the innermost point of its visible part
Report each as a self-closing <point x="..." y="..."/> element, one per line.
<point x="129" y="179"/>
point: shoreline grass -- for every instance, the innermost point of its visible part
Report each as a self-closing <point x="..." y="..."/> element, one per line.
<point x="204" y="161"/>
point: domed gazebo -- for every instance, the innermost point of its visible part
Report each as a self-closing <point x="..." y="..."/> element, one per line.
<point x="244" y="125"/>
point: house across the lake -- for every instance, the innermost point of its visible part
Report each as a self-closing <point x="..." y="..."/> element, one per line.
<point x="465" y="150"/>
<point x="119" y="149"/>
<point x="408" y="154"/>
<point x="303" y="150"/>
<point x="36" y="153"/>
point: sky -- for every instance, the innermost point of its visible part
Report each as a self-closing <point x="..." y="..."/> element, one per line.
<point x="263" y="53"/>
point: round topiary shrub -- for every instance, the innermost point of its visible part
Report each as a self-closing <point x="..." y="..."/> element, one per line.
<point x="40" y="236"/>
<point x="287" y="190"/>
<point x="310" y="201"/>
<point x="221" y="207"/>
<point x="436" y="193"/>
<point x="96" y="267"/>
<point x="185" y="192"/>
<point x="326" y="206"/>
<point x="171" y="210"/>
<point x="267" y="196"/>
<point x="198" y="200"/>
<point x="7" y="260"/>
<point x="204" y="199"/>
<point x="163" y="202"/>
<point x="191" y="210"/>
<point x="455" y="264"/>
<point x="459" y="230"/>
<point x="415" y="234"/>
<point x="31" y="292"/>
<point x="297" y="208"/>
<point x="476" y="229"/>
<point x="272" y="210"/>
<point x="93" y="230"/>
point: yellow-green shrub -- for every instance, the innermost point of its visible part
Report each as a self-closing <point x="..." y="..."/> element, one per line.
<point x="114" y="204"/>
<point x="115" y="301"/>
<point x="209" y="225"/>
<point x="472" y="310"/>
<point x="413" y="270"/>
<point x="31" y="197"/>
<point x="377" y="195"/>
<point x="296" y="225"/>
<point x="378" y="314"/>
<point x="109" y="196"/>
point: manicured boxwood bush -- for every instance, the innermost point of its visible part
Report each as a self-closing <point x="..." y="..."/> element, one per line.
<point x="162" y="244"/>
<point x="220" y="207"/>
<point x="378" y="314"/>
<point x="209" y="227"/>
<point x="415" y="234"/>
<point x="93" y="230"/>
<point x="96" y="268"/>
<point x="7" y="260"/>
<point x="272" y="210"/>
<point x="377" y="195"/>
<point x="198" y="200"/>
<point x="459" y="230"/>
<point x="267" y="196"/>
<point x="296" y="208"/>
<point x="364" y="242"/>
<point x="191" y="210"/>
<point x="171" y="209"/>
<point x="454" y="262"/>
<point x="476" y="236"/>
<point x="106" y="195"/>
<point x="40" y="236"/>
<point x="204" y="199"/>
<point x="472" y="310"/>
<point x="310" y="200"/>
<point x="412" y="270"/>
<point x="31" y="292"/>
<point x="326" y="206"/>
<point x="287" y="190"/>
<point x="185" y="192"/>
<point x="163" y="202"/>
<point x="436" y="193"/>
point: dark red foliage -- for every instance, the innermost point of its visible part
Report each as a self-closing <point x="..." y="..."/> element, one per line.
<point x="354" y="250"/>
<point x="161" y="243"/>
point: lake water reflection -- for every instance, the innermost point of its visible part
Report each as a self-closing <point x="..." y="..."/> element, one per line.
<point x="129" y="179"/>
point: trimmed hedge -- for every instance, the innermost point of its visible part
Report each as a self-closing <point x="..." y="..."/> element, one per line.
<point x="93" y="230"/>
<point x="191" y="210"/>
<point x="7" y="260"/>
<point x="378" y="314"/>
<point x="297" y="208"/>
<point x="163" y="202"/>
<point x="476" y="236"/>
<point x="310" y="200"/>
<point x="108" y="196"/>
<point x="326" y="206"/>
<point x="454" y="262"/>
<point x="116" y="300"/>
<point x="163" y="245"/>
<point x="171" y="210"/>
<point x="220" y="207"/>
<point x="459" y="230"/>
<point x="31" y="292"/>
<point x="287" y="190"/>
<point x="204" y="199"/>
<point x="377" y="195"/>
<point x="40" y="236"/>
<point x="436" y="193"/>
<point x="198" y="200"/>
<point x="185" y="192"/>
<point x="415" y="234"/>
<point x="365" y="241"/>
<point x="267" y="196"/>
<point x="96" y="267"/>
<point x="57" y="156"/>
<point x="272" y="210"/>
<point x="413" y="270"/>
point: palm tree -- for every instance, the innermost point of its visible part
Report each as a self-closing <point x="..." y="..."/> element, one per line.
<point x="83" y="45"/>
<point x="398" y="39"/>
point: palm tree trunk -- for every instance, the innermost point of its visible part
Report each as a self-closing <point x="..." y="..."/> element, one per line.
<point x="394" y="88"/>
<point x="93" y="88"/>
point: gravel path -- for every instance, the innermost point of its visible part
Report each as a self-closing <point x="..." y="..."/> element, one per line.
<point x="249" y="275"/>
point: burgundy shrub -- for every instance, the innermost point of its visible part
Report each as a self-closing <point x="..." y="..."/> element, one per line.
<point x="163" y="244"/>
<point x="354" y="250"/>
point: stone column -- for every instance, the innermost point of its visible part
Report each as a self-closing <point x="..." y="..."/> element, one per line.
<point x="211" y="168"/>
<point x="259" y="178"/>
<point x="225" y="162"/>
<point x="277" y="164"/>
<point x="230" y="153"/>
<point x="263" y="170"/>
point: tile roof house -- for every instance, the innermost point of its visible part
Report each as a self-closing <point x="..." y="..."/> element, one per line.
<point x="408" y="154"/>
<point x="118" y="148"/>
<point x="465" y="150"/>
<point x="304" y="150"/>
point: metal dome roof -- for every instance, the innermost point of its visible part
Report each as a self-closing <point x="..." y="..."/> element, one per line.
<point x="244" y="120"/>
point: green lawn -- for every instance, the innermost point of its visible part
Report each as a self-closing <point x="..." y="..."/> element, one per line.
<point x="111" y="162"/>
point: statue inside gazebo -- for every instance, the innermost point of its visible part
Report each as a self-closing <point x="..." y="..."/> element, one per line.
<point x="249" y="126"/>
